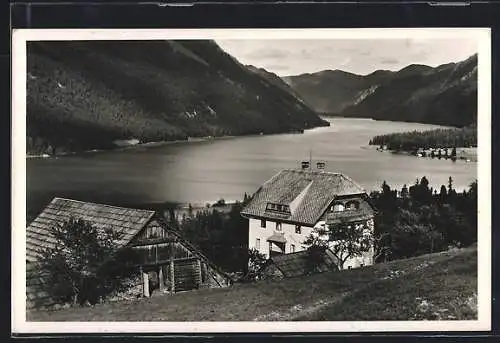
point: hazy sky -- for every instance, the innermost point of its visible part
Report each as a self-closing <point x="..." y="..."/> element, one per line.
<point x="360" y="56"/>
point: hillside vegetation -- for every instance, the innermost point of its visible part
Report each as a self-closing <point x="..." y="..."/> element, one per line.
<point x="445" y="95"/>
<point x="275" y="80"/>
<point x="435" y="286"/>
<point x="438" y="138"/>
<point x="84" y="95"/>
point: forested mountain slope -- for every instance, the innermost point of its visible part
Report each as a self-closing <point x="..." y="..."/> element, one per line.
<point x="445" y="95"/>
<point x="84" y="95"/>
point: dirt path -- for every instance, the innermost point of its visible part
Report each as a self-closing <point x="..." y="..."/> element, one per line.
<point x="300" y="310"/>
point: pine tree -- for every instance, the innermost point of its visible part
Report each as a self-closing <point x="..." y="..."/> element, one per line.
<point x="404" y="192"/>
<point x="454" y="152"/>
<point x="450" y="185"/>
<point x="443" y="194"/>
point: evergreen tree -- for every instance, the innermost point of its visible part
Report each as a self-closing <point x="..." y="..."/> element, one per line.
<point x="450" y="184"/>
<point x="404" y="192"/>
<point x="454" y="152"/>
<point x="443" y="194"/>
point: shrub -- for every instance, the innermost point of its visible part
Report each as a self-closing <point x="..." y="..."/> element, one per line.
<point x="256" y="261"/>
<point x="85" y="263"/>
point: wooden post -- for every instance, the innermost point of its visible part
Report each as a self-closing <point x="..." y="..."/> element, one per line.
<point x="145" y="283"/>
<point x="172" y="276"/>
<point x="160" y="278"/>
<point x="200" y="281"/>
<point x="172" y="271"/>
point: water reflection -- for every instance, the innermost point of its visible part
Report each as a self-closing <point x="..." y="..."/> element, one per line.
<point x="204" y="171"/>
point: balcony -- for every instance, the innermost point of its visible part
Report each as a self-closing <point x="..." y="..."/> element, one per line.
<point x="334" y="218"/>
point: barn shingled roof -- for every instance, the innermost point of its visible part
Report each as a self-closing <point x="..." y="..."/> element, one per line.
<point x="126" y="220"/>
<point x="285" y="186"/>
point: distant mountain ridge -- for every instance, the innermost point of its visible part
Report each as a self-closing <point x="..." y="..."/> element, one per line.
<point x="445" y="95"/>
<point x="84" y="95"/>
<point x="330" y="91"/>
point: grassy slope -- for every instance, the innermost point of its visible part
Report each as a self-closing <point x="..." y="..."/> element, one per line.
<point x="400" y="290"/>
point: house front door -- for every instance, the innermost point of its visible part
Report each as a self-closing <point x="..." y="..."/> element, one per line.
<point x="276" y="248"/>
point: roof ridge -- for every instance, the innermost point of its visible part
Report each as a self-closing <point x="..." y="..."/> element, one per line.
<point x="320" y="172"/>
<point x="100" y="204"/>
<point x="348" y="178"/>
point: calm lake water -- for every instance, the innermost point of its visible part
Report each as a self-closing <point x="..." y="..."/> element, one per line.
<point x="204" y="171"/>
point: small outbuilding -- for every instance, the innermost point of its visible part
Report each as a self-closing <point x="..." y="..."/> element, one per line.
<point x="298" y="264"/>
<point x="165" y="255"/>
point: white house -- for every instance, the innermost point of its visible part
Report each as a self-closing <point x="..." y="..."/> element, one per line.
<point x="286" y="208"/>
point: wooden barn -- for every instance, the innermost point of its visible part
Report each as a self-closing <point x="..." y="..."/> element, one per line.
<point x="165" y="256"/>
<point x="298" y="264"/>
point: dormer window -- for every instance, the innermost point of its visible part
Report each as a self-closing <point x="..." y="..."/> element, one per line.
<point x="273" y="207"/>
<point x="337" y="207"/>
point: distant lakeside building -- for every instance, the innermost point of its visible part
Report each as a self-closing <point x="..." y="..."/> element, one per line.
<point x="287" y="208"/>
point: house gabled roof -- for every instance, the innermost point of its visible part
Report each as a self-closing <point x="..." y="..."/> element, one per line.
<point x="322" y="188"/>
<point x="126" y="220"/>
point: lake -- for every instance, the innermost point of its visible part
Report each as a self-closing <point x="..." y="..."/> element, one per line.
<point x="205" y="171"/>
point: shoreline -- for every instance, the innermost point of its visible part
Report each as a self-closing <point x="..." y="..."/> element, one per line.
<point x="450" y="126"/>
<point x="462" y="154"/>
<point x="162" y="143"/>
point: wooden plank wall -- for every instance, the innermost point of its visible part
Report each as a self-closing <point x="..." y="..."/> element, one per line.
<point x="36" y="285"/>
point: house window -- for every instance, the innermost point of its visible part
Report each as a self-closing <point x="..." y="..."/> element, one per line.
<point x="263" y="223"/>
<point x="350" y="267"/>
<point x="292" y="248"/>
<point x="278" y="227"/>
<point x="257" y="244"/>
<point x="338" y="207"/>
<point x="352" y="205"/>
<point x="298" y="229"/>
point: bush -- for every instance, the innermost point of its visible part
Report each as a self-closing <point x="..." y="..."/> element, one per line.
<point x="256" y="261"/>
<point x="85" y="264"/>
